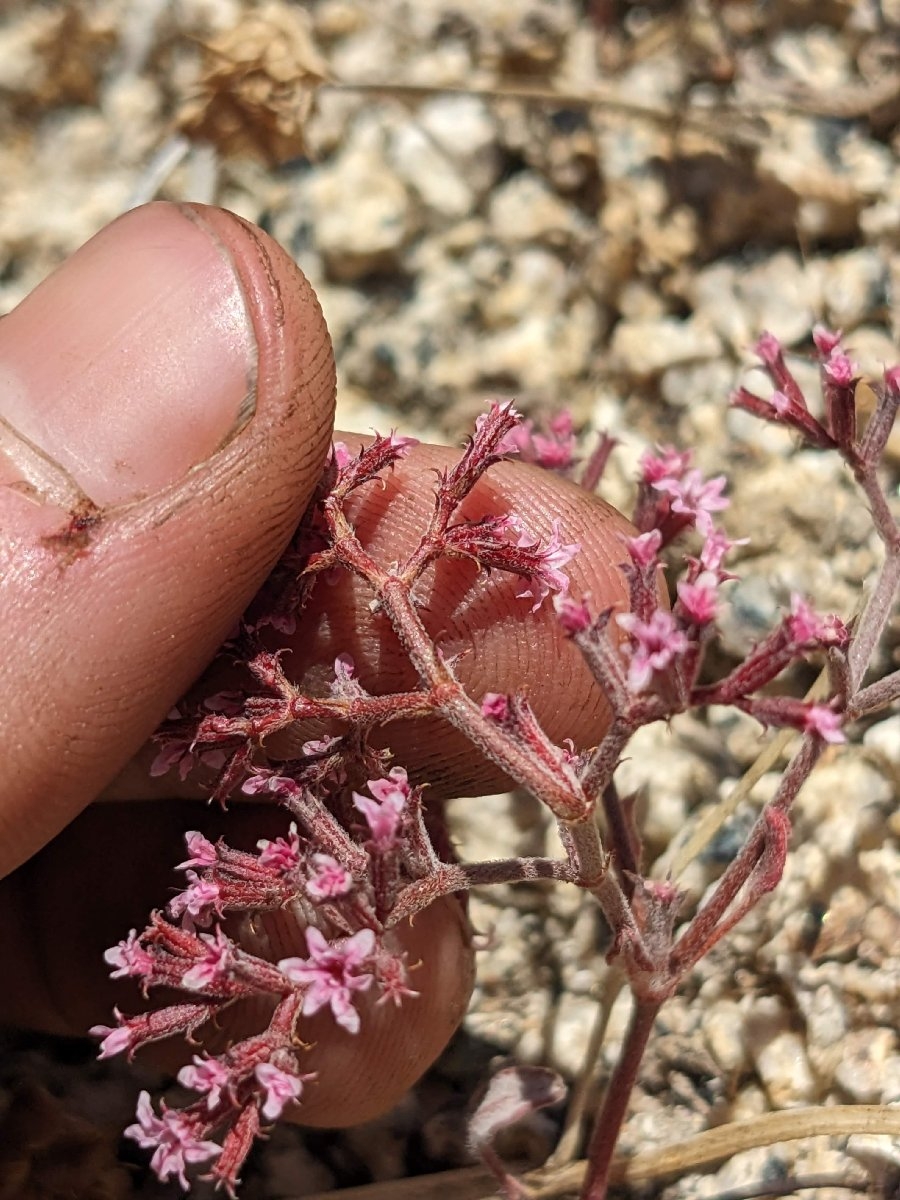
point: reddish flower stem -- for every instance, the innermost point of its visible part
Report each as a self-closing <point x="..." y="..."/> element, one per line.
<point x="615" y="1100"/>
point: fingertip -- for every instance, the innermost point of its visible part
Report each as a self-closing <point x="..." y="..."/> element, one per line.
<point x="136" y="526"/>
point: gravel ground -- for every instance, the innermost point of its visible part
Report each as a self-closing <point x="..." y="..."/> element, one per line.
<point x="597" y="205"/>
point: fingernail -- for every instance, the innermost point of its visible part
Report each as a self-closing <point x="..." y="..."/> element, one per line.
<point x="131" y="364"/>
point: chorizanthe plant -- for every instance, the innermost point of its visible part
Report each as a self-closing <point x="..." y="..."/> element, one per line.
<point x="362" y="852"/>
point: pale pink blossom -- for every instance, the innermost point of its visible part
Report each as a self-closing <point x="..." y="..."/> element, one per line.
<point x="665" y="462"/>
<point x="716" y="546"/>
<point x="393" y="980"/>
<point x="214" y="967"/>
<point x="401" y="443"/>
<point x="327" y="878"/>
<point x="548" y="575"/>
<point x="174" y="752"/>
<point x="768" y="349"/>
<point x="330" y="974"/>
<point x="201" y="850"/>
<point x="840" y="370"/>
<point x="694" y="496"/>
<point x="510" y="442"/>
<point x="180" y="753"/>
<point x="826" y="340"/>
<point x="173" y="1138"/>
<point x="553" y="449"/>
<point x="698" y="599"/>
<point x="282" y="855"/>
<point x="129" y="957"/>
<point x="195" y="902"/>
<point x="495" y="706"/>
<point x="655" y="644"/>
<point x="573" y="615"/>
<point x="205" y="1075"/>
<point x="825" y="722"/>
<point x="115" y="1039"/>
<point x="341" y="455"/>
<point x="806" y="626"/>
<point x="384" y="814"/>
<point x="395" y="781"/>
<point x="280" y="1088"/>
<point x="644" y="548"/>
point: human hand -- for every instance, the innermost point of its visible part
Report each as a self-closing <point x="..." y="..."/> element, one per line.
<point x="167" y="407"/>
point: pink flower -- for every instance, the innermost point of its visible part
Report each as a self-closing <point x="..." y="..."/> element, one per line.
<point x="344" y="668"/>
<point x="328" y="878"/>
<point x="129" y="957"/>
<point x="341" y="454"/>
<point x="826" y="340"/>
<point x="174" y="752"/>
<point x="782" y="404"/>
<point x="393" y="980"/>
<point x="115" y="1040"/>
<point x="173" y="1139"/>
<point x="644" y="548"/>
<point x="573" y="615"/>
<point x="554" y="449"/>
<point x="280" y="1088"/>
<point x="206" y="1075"/>
<point x="495" y="706"/>
<point x="213" y="968"/>
<point x="202" y="852"/>
<point x="806" y="626"/>
<point x="281" y="855"/>
<point x="768" y="349"/>
<point x="195" y="901"/>
<point x="655" y="644"/>
<point x="825" y="722"/>
<point x="396" y="781"/>
<point x="384" y="813"/>
<point x="546" y="575"/>
<point x="330" y="975"/>
<point x="664" y="463"/>
<point x="512" y="441"/>
<point x="698" y="599"/>
<point x="695" y="497"/>
<point x="716" y="546"/>
<point x="840" y="370"/>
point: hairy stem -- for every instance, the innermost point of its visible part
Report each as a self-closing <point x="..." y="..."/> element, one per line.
<point x="615" y="1101"/>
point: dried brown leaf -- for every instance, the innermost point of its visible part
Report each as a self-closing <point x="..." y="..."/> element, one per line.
<point x="258" y="86"/>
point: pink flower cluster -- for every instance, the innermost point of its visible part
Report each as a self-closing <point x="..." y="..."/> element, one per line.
<point x="341" y="896"/>
<point x="351" y="864"/>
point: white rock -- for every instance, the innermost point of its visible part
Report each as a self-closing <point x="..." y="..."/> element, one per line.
<point x="524" y="209"/>
<point x="535" y="282"/>
<point x="779" y="1055"/>
<point x="361" y="212"/>
<point x="429" y="172"/>
<point x="852" y="285"/>
<point x="465" y="130"/>
<point x="573" y="1021"/>
<point x="723" y="1029"/>
<point x="645" y="348"/>
<point x="671" y="779"/>
<point x="833" y="801"/>
<point x="543" y="351"/>
<point x="861" y="1069"/>
<point x="885" y="738"/>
